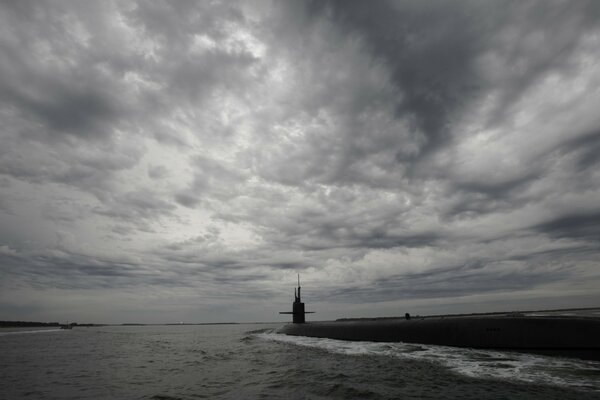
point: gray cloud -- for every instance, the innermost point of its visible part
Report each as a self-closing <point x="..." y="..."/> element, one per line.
<point x="136" y="207"/>
<point x="157" y="171"/>
<point x="430" y="51"/>
<point x="392" y="152"/>
<point x="48" y="80"/>
<point x="575" y="226"/>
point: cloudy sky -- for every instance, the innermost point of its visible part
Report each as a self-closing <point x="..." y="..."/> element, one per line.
<point x="183" y="161"/>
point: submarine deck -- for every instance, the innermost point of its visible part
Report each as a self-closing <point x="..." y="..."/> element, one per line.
<point x="558" y="335"/>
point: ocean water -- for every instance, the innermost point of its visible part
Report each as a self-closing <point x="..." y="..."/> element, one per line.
<point x="254" y="362"/>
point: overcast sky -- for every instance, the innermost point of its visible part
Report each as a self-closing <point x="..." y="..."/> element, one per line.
<point x="183" y="161"/>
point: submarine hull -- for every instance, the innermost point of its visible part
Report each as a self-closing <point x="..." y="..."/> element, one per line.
<point x="576" y="337"/>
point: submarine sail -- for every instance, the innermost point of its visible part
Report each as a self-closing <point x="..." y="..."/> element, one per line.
<point x="298" y="312"/>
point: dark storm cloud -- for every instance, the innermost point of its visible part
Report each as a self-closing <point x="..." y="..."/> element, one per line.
<point x="573" y="226"/>
<point x="68" y="96"/>
<point x="64" y="111"/>
<point x="455" y="281"/>
<point x="136" y="207"/>
<point x="430" y="50"/>
<point x="212" y="179"/>
<point x="93" y="166"/>
<point x="351" y="233"/>
<point x="586" y="149"/>
<point x="443" y="285"/>
<point x="187" y="199"/>
<point x="187" y="75"/>
<point x="551" y="32"/>
<point x="90" y="168"/>
<point x="434" y="53"/>
<point x="64" y="72"/>
<point x="65" y="270"/>
<point x="471" y="199"/>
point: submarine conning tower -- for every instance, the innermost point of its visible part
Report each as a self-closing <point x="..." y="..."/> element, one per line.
<point x="298" y="313"/>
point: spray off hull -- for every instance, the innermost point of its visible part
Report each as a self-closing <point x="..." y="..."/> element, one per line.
<point x="578" y="337"/>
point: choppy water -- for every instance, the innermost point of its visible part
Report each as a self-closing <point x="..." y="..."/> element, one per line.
<point x="254" y="362"/>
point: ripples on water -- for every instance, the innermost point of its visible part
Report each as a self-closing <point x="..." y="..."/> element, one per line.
<point x="254" y="362"/>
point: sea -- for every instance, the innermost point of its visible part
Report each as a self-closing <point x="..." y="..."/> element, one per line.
<point x="253" y="361"/>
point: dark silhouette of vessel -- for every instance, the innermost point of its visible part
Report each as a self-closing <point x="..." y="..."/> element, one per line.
<point x="572" y="336"/>
<point x="298" y="313"/>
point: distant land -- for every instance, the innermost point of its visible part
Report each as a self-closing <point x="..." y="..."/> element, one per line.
<point x="182" y="323"/>
<point x="35" y="324"/>
<point x="591" y="312"/>
<point x="32" y="324"/>
<point x="14" y="324"/>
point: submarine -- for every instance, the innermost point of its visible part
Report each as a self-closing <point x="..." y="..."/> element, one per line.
<point x="566" y="336"/>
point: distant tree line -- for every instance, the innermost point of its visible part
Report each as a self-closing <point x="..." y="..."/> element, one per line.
<point x="12" y="324"/>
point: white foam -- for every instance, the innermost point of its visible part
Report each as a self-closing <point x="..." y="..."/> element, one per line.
<point x="469" y="362"/>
